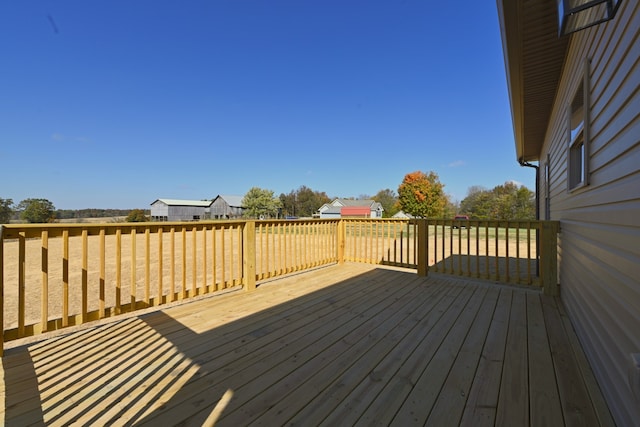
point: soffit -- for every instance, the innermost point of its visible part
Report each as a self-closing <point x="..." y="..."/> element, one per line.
<point x="534" y="56"/>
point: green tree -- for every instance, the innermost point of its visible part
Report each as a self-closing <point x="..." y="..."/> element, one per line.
<point x="137" y="215"/>
<point x="504" y="202"/>
<point x="451" y="207"/>
<point x="478" y="203"/>
<point x="36" y="210"/>
<point x="389" y="201"/>
<point x="422" y="195"/>
<point x="260" y="203"/>
<point x="303" y="202"/>
<point x="6" y="210"/>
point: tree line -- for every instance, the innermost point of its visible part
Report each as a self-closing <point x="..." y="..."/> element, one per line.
<point x="43" y="211"/>
<point x="419" y="195"/>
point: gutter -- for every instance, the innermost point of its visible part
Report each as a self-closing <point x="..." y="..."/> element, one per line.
<point x="524" y="163"/>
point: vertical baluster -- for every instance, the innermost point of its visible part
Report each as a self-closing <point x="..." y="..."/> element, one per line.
<point x="496" y="265"/>
<point x="118" y="270"/>
<point x="172" y="290"/>
<point x="133" y="285"/>
<point x="183" y="293"/>
<point x="147" y="266"/>
<point x="214" y="258"/>
<point x="65" y="278"/>
<point x="435" y="247"/>
<point x="529" y="252"/>
<point x="85" y="275"/>
<point x="477" y="249"/>
<point x="506" y="243"/>
<point x="45" y="280"/>
<point x="223" y="279"/>
<point x="518" y="252"/>
<point x="194" y="261"/>
<point x="468" y="230"/>
<point x="160" y="266"/>
<point x="102" y="279"/>
<point x="204" y="286"/>
<point x="240" y="256"/>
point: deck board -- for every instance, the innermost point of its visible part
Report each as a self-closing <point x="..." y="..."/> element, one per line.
<point x="350" y="344"/>
<point x="513" y="400"/>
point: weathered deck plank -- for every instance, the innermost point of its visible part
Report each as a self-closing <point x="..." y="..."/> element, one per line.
<point x="480" y="409"/>
<point x="349" y="345"/>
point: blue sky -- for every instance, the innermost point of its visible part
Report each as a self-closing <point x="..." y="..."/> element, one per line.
<point x="113" y="104"/>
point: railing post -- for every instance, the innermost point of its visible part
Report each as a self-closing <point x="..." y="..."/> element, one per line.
<point x="249" y="255"/>
<point x="1" y="291"/>
<point x="423" y="247"/>
<point x="342" y="237"/>
<point x="549" y="257"/>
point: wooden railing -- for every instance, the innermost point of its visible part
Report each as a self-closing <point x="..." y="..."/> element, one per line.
<point x="381" y="241"/>
<point x="514" y="252"/>
<point x="503" y="251"/>
<point x="57" y="275"/>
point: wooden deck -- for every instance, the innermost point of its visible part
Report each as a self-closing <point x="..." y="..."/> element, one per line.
<point x="349" y="344"/>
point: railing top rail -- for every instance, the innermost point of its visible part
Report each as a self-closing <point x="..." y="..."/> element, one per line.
<point x="13" y="231"/>
<point x="534" y="222"/>
<point x="294" y="221"/>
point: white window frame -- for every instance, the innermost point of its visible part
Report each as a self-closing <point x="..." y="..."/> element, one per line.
<point x="578" y="152"/>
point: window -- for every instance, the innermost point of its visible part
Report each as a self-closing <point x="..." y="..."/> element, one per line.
<point x="578" y="156"/>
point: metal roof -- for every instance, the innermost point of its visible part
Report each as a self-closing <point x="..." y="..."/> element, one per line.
<point x="534" y="56"/>
<point x="352" y="202"/>
<point x="234" y="201"/>
<point x="178" y="202"/>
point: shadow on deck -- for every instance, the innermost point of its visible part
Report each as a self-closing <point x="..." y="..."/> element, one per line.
<point x="348" y="344"/>
<point x="504" y="269"/>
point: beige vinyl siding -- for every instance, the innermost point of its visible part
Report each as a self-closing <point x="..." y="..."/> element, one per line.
<point x="600" y="223"/>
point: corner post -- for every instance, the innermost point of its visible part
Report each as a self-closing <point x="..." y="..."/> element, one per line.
<point x="423" y="247"/>
<point x="549" y="257"/>
<point x="342" y="236"/>
<point x="249" y="255"/>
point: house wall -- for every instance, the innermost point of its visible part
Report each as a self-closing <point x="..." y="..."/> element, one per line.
<point x="599" y="248"/>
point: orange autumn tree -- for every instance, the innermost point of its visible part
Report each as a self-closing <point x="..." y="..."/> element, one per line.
<point x="422" y="195"/>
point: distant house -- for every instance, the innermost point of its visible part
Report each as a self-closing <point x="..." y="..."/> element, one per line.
<point x="180" y="210"/>
<point x="227" y="207"/>
<point x="402" y="215"/>
<point x="347" y="208"/>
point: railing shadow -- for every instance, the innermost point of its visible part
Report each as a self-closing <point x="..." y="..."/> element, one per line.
<point x="510" y="270"/>
<point x="21" y="394"/>
<point x="151" y="368"/>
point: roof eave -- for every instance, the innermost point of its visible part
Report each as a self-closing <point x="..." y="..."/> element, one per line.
<point x="534" y="56"/>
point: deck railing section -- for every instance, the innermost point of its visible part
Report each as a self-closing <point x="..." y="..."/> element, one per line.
<point x="503" y="251"/>
<point x="57" y="275"/>
<point x="64" y="275"/>
<point x="381" y="241"/>
<point x="284" y="247"/>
